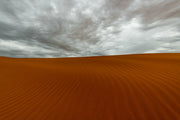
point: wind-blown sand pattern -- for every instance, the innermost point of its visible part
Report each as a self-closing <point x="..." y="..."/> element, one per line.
<point x="126" y="87"/>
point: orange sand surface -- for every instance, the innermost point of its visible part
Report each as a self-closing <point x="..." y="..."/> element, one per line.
<point x="125" y="87"/>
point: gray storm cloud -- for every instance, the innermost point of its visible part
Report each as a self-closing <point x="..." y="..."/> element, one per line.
<point x="67" y="28"/>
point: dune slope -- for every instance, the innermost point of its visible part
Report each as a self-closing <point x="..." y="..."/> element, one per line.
<point x="127" y="87"/>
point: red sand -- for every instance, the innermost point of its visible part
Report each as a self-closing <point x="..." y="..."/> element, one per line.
<point x="127" y="87"/>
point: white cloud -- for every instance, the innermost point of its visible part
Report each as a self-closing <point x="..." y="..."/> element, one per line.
<point x="61" y="28"/>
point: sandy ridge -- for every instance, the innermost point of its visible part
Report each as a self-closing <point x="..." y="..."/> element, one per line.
<point x="125" y="87"/>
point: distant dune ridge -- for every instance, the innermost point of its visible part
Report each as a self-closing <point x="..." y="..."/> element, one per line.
<point x="125" y="87"/>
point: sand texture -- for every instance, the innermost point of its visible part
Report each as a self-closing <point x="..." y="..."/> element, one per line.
<point x="125" y="87"/>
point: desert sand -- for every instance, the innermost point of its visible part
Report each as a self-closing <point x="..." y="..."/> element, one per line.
<point x="124" y="87"/>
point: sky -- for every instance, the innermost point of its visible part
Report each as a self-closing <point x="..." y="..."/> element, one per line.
<point x="78" y="28"/>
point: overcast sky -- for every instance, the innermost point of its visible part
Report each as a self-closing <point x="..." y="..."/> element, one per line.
<point x="70" y="28"/>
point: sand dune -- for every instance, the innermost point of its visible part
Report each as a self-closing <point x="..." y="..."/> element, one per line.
<point x="126" y="87"/>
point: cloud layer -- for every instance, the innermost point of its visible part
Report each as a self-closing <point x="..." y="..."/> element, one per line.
<point x="66" y="28"/>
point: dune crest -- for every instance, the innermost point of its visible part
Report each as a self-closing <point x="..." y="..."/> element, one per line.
<point x="126" y="87"/>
